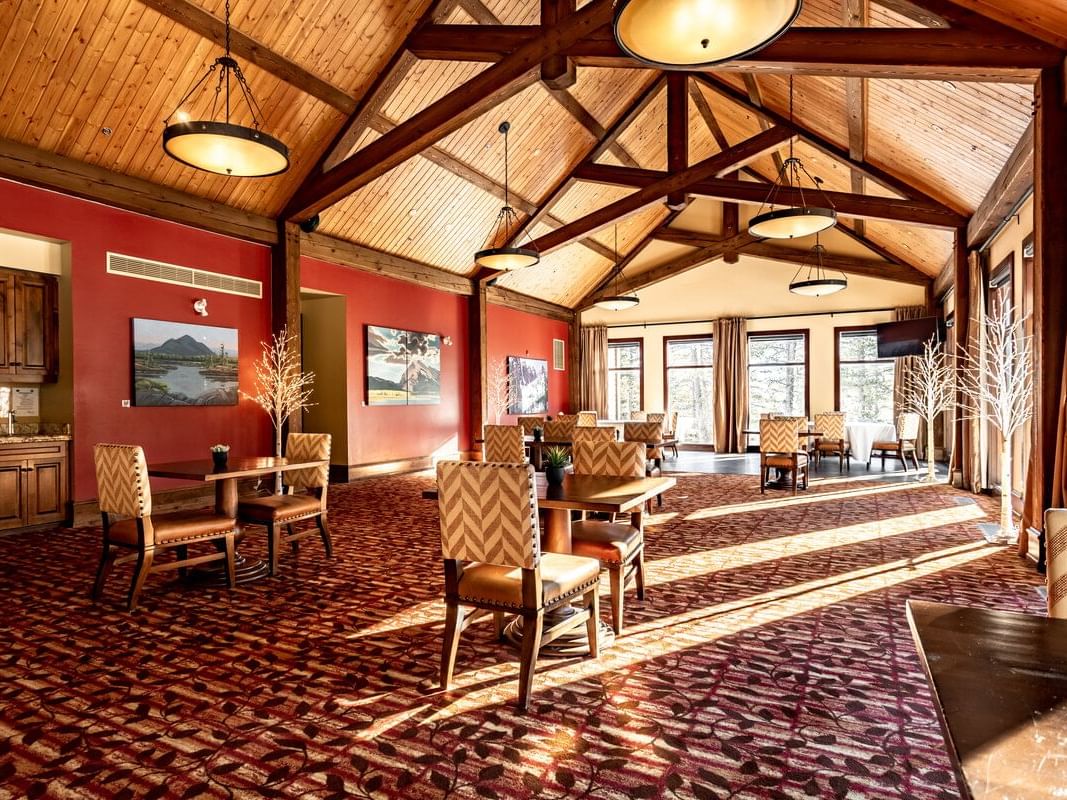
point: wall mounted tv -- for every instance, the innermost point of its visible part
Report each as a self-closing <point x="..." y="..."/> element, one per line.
<point x="907" y="337"/>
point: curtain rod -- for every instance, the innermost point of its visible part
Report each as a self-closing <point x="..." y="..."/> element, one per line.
<point x="766" y="316"/>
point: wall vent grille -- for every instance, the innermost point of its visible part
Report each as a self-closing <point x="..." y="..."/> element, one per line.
<point x="558" y="356"/>
<point x="161" y="272"/>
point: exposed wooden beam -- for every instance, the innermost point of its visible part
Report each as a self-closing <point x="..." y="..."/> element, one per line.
<point x="590" y="123"/>
<point x="703" y="108"/>
<point x="477" y="361"/>
<point x="509" y="298"/>
<point x="285" y="294"/>
<point x="914" y="12"/>
<point x="448" y="114"/>
<point x="856" y="16"/>
<point x="1016" y="178"/>
<point x="677" y="132"/>
<point x="205" y="24"/>
<point x="944" y="280"/>
<point x="652" y="192"/>
<point x="912" y="53"/>
<point x="366" y="259"/>
<point x="557" y="72"/>
<point x="731" y="225"/>
<point x="914" y="212"/>
<point x="852" y="265"/>
<point x="755" y="95"/>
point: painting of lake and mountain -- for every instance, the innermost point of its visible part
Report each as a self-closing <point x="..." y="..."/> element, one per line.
<point x="403" y="367"/>
<point x="528" y="379"/>
<point x="179" y="364"/>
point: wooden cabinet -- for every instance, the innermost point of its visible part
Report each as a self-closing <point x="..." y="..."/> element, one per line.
<point x="34" y="481"/>
<point x="29" y="334"/>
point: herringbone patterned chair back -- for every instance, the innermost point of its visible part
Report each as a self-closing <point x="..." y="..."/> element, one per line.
<point x="122" y="480"/>
<point x="559" y="430"/>
<point x="671" y="423"/>
<point x="645" y="432"/>
<point x="908" y="426"/>
<point x="489" y="513"/>
<point x="770" y="415"/>
<point x="529" y="423"/>
<point x="308" y="447"/>
<point x="778" y="435"/>
<point x="594" y="435"/>
<point x="587" y="419"/>
<point x="504" y="445"/>
<point x="655" y="416"/>
<point x="638" y="416"/>
<point x="617" y="459"/>
<point x="571" y="420"/>
<point x="1056" y="561"/>
<point x="831" y="425"/>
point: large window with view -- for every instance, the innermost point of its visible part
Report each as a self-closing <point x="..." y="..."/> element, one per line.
<point x="625" y="379"/>
<point x="777" y="375"/>
<point x="864" y="381"/>
<point x="689" y="380"/>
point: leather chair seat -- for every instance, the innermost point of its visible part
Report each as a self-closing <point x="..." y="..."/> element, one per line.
<point x="176" y="526"/>
<point x="786" y="461"/>
<point x="885" y="446"/>
<point x="613" y="542"/>
<point x="831" y="446"/>
<point x="278" y="507"/>
<point x="561" y="575"/>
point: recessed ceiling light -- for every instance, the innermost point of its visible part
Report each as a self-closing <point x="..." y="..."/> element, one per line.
<point x="537" y="152"/>
<point x="106" y="131"/>
<point x="413" y="212"/>
<point x="937" y="127"/>
<point x="949" y="85"/>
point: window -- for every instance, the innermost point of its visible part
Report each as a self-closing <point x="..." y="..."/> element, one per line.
<point x="689" y="382"/>
<point x="625" y="379"/>
<point x="777" y="375"/>
<point x="864" y="381"/>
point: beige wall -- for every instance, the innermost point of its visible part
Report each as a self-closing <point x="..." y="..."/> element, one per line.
<point x="324" y="353"/>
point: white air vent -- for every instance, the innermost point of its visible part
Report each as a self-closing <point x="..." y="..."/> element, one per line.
<point x="146" y="269"/>
<point x="558" y="356"/>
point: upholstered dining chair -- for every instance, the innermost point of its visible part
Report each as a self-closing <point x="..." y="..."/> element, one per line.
<point x="587" y="419"/>
<point x="619" y="546"/>
<point x="305" y="499"/>
<point x="670" y="432"/>
<point x="638" y="416"/>
<point x="650" y="433"/>
<point x="831" y="424"/>
<point x="907" y="442"/>
<point x="593" y="435"/>
<point x="571" y="420"/>
<point x="503" y="444"/>
<point x="529" y="423"/>
<point x="1056" y="561"/>
<point x="560" y="430"/>
<point x="779" y="448"/>
<point x="129" y="525"/>
<point x="490" y="543"/>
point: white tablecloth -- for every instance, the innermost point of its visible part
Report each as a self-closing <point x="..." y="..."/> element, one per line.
<point x="861" y="435"/>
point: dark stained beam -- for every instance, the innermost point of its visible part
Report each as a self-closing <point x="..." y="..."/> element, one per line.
<point x="490" y="87"/>
<point x="914" y="12"/>
<point x="731" y="219"/>
<point x="944" y="279"/>
<point x="961" y="269"/>
<point x="1016" y="178"/>
<point x="852" y="265"/>
<point x="755" y="95"/>
<point x="677" y="132"/>
<point x="557" y="72"/>
<point x="703" y="108"/>
<point x="509" y="298"/>
<point x="285" y="295"/>
<point x="856" y="16"/>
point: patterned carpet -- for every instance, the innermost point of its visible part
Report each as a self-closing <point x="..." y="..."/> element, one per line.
<point x="771" y="660"/>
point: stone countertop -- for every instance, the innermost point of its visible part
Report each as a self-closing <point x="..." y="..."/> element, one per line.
<point x="25" y="438"/>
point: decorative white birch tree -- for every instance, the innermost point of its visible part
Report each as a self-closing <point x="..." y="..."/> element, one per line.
<point x="930" y="390"/>
<point x="500" y="394"/>
<point x="282" y="389"/>
<point x="998" y="378"/>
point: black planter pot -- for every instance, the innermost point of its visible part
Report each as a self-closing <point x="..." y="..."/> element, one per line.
<point x="554" y="475"/>
<point x="219" y="459"/>
<point x="537" y="434"/>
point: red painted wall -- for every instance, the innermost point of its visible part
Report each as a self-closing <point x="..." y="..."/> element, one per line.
<point x="516" y="333"/>
<point x="102" y="306"/>
<point x="387" y="433"/>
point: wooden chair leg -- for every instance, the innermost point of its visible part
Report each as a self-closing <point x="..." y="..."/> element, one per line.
<point x="762" y="479"/>
<point x="498" y="624"/>
<point x="140" y="573"/>
<point x="639" y="573"/>
<point x="453" y="624"/>
<point x="102" y="571"/>
<point x="181" y="552"/>
<point x="592" y="625"/>
<point x="293" y="543"/>
<point x="274" y="543"/>
<point x="903" y="460"/>
<point x="231" y="569"/>
<point x="532" y="628"/>
<point x="324" y="532"/>
<point x="616" y="579"/>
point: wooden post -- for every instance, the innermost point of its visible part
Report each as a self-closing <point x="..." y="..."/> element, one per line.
<point x="574" y="364"/>
<point x="477" y="360"/>
<point x="677" y="132"/>
<point x="961" y="321"/>
<point x="285" y="293"/>
<point x="731" y="220"/>
<point x="557" y="72"/>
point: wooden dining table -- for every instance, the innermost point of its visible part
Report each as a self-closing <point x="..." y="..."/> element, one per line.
<point x="225" y="480"/>
<point x="538" y="446"/>
<point x="999" y="681"/>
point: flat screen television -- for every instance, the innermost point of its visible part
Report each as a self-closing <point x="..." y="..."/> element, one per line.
<point x="907" y="337"/>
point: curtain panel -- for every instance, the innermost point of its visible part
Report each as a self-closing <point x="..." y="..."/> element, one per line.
<point x="731" y="383"/>
<point x="904" y="369"/>
<point x="593" y="389"/>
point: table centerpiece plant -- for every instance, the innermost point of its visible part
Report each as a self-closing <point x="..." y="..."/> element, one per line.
<point x="556" y="460"/>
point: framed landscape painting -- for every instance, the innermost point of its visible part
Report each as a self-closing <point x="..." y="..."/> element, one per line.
<point x="528" y="379"/>
<point x="181" y="364"/>
<point x="403" y="367"/>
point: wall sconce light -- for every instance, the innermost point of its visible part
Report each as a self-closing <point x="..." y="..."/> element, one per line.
<point x="200" y="306"/>
<point x="447" y="341"/>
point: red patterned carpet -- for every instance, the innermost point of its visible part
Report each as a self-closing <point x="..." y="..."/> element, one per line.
<point x="771" y="660"/>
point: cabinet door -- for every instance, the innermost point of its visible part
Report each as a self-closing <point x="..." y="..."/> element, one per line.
<point x="36" y="326"/>
<point x="46" y="494"/>
<point x="7" y="322"/>
<point x="12" y="494"/>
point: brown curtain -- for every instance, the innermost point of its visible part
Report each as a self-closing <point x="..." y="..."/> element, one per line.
<point x="904" y="368"/>
<point x="594" y="370"/>
<point x="974" y="422"/>
<point x="731" y="383"/>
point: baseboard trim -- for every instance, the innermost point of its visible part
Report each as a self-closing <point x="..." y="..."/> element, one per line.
<point x="341" y="473"/>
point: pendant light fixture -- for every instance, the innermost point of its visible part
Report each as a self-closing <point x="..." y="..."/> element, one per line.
<point x="219" y="145"/>
<point x="682" y="34"/>
<point x="617" y="302"/>
<point x="815" y="282"/>
<point x="793" y="222"/>
<point x="505" y="258"/>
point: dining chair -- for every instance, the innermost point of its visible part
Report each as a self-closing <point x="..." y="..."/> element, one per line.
<point x="277" y="510"/>
<point x="587" y="419"/>
<point x="638" y="416"/>
<point x="503" y="444"/>
<point x="593" y="435"/>
<point x="490" y="543"/>
<point x="831" y="424"/>
<point x="124" y="489"/>
<point x="1056" y="561"/>
<point x="670" y="432"/>
<point x="907" y="442"/>
<point x="651" y="434"/>
<point x="560" y="430"/>
<point x="529" y="423"/>
<point x="619" y="546"/>
<point x="779" y="448"/>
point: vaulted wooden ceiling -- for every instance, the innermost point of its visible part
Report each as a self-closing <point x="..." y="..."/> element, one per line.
<point x="334" y="76"/>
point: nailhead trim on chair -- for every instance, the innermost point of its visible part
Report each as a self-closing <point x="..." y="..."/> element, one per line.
<point x="484" y="600"/>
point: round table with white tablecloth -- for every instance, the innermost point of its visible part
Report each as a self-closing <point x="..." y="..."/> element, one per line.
<point x="862" y="435"/>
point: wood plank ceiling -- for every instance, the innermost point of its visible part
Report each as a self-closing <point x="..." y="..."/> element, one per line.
<point x="70" y="68"/>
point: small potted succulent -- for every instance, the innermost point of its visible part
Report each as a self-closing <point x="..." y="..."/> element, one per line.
<point x="556" y="460"/>
<point x="219" y="454"/>
<point x="538" y="432"/>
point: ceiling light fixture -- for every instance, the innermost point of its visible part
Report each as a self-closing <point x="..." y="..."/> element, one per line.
<point x="816" y="283"/>
<point x="505" y="258"/>
<point x="617" y="302"/>
<point x="682" y="34"/>
<point x="793" y="222"/>
<point x="222" y="146"/>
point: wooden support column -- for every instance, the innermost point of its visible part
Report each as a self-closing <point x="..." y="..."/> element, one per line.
<point x="961" y="321"/>
<point x="285" y="292"/>
<point x="574" y="364"/>
<point x="731" y="220"/>
<point x="477" y="359"/>
<point x="557" y="72"/>
<point x="677" y="132"/>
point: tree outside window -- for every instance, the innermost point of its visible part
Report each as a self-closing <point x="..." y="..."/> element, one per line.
<point x="864" y="381"/>
<point x="690" y="383"/>
<point x="777" y="375"/>
<point x="624" y="377"/>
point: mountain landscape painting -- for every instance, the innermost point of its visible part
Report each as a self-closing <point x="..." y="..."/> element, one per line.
<point x="528" y="378"/>
<point x="403" y="367"/>
<point x="179" y="364"/>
